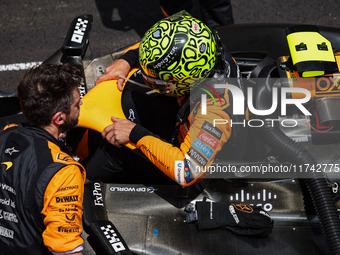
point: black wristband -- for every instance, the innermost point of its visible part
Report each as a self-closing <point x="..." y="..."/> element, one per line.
<point x="131" y="57"/>
<point x="138" y="132"/>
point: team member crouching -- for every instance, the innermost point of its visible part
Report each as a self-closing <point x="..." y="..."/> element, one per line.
<point x="42" y="186"/>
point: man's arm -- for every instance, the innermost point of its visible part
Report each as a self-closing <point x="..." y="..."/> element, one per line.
<point x="171" y="160"/>
<point x="121" y="67"/>
<point x="63" y="209"/>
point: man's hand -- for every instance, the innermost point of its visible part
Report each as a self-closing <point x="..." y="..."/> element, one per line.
<point x="118" y="133"/>
<point x="113" y="71"/>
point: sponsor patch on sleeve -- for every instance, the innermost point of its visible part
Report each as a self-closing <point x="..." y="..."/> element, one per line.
<point x="179" y="172"/>
<point x="214" y="131"/>
<point x="204" y="149"/>
<point x="67" y="199"/>
<point x="188" y="175"/>
<point x="207" y="139"/>
<point x="199" y="158"/>
<point x="192" y="166"/>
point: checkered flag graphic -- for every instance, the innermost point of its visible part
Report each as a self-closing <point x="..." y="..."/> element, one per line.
<point x="111" y="236"/>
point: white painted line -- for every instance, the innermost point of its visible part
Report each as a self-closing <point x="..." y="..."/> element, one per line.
<point x="18" y="66"/>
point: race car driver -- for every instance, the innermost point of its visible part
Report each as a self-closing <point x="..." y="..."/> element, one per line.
<point x="175" y="56"/>
<point x="42" y="186"/>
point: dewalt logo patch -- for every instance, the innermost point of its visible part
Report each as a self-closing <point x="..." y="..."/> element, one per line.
<point x="66" y="199"/>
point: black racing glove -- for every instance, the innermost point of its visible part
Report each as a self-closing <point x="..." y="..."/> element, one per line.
<point x="241" y="219"/>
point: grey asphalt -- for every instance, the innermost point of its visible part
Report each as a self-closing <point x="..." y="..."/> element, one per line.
<point x="31" y="30"/>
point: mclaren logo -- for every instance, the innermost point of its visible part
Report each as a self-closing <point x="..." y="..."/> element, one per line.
<point x="7" y="164"/>
<point x="72" y="218"/>
<point x="243" y="208"/>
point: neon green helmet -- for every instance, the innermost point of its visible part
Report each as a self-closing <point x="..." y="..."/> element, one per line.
<point x="176" y="54"/>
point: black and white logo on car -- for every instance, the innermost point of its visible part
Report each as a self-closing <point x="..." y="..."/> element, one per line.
<point x="111" y="236"/>
<point x="79" y="30"/>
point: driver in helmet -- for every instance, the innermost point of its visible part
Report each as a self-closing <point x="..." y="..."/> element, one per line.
<point x="174" y="59"/>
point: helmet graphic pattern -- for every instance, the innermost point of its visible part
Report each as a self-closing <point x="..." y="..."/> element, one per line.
<point x="180" y="50"/>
